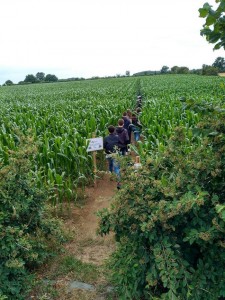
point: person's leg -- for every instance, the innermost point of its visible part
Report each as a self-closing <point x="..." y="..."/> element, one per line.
<point x="116" y="168"/>
<point x="136" y="135"/>
<point x="123" y="151"/>
<point x="110" y="162"/>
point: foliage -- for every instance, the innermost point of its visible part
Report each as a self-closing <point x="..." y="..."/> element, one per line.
<point x="61" y="117"/>
<point x="51" y="78"/>
<point x="30" y="78"/>
<point x="209" y="70"/>
<point x="169" y="217"/>
<point x="179" y="70"/>
<point x="214" y="27"/>
<point x="40" y="76"/>
<point x="164" y="70"/>
<point x="8" y="82"/>
<point x="219" y="63"/>
<point x="27" y="231"/>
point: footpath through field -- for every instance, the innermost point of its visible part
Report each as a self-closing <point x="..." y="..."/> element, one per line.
<point x="78" y="274"/>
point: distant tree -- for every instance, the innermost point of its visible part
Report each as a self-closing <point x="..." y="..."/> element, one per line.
<point x="214" y="27"/>
<point x="8" y="82"/>
<point x="219" y="64"/>
<point x="174" y="70"/>
<point x="127" y="73"/>
<point x="40" y="76"/>
<point x="51" y="78"/>
<point x="196" y="71"/>
<point x="183" y="70"/>
<point x="209" y="70"/>
<point x="30" y="78"/>
<point x="164" y="70"/>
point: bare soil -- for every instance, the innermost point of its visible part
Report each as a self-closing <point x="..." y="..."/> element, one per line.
<point x="85" y="245"/>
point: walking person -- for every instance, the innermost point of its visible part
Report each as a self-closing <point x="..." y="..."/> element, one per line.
<point x="111" y="146"/>
<point x="136" y="127"/>
<point x="126" y="125"/>
<point x="123" y="136"/>
<point x="129" y="114"/>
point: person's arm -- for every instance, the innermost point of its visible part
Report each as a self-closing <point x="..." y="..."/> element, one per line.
<point x="105" y="142"/>
<point x="126" y="137"/>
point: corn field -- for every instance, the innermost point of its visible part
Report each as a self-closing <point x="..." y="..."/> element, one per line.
<point x="60" y="117"/>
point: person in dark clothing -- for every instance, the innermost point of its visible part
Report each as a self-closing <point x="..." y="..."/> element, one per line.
<point x="126" y="125"/>
<point x="111" y="145"/>
<point x="123" y="136"/>
<point x="136" y="127"/>
<point x="139" y="102"/>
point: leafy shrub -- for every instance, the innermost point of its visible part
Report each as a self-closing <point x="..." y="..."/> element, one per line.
<point x="26" y="229"/>
<point x="169" y="219"/>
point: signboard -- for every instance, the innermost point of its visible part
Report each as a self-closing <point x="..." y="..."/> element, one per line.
<point x="95" y="144"/>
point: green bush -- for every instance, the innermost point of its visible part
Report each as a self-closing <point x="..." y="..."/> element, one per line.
<point x="26" y="229"/>
<point x="169" y="219"/>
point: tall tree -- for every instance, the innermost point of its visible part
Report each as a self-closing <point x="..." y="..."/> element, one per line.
<point x="174" y="69"/>
<point x="219" y="63"/>
<point x="214" y="27"/>
<point x="8" y="82"/>
<point x="51" y="78"/>
<point x="30" y="78"/>
<point x="40" y="76"/>
<point x="164" y="70"/>
<point x="209" y="70"/>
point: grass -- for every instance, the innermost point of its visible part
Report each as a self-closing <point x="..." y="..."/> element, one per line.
<point x="70" y="266"/>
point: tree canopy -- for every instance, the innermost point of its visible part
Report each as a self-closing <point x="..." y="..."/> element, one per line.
<point x="40" y="76"/>
<point x="8" y="82"/>
<point x="164" y="70"/>
<point x="214" y="27"/>
<point x="30" y="78"/>
<point x="219" y="63"/>
<point x="51" y="78"/>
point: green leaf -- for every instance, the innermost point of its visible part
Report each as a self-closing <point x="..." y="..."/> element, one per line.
<point x="203" y="12"/>
<point x="210" y="20"/>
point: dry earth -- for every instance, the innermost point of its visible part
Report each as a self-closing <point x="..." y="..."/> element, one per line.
<point x="85" y="245"/>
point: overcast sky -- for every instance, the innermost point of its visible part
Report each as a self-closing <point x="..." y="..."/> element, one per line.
<point x="85" y="38"/>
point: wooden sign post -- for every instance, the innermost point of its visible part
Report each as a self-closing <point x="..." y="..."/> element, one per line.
<point x="94" y="145"/>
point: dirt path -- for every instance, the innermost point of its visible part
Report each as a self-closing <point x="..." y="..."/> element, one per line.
<point x="87" y="246"/>
<point x="85" y="253"/>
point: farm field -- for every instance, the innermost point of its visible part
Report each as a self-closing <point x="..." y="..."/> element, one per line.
<point x="57" y="119"/>
<point x="60" y="117"/>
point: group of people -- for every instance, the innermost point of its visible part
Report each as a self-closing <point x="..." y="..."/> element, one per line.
<point x="119" y="138"/>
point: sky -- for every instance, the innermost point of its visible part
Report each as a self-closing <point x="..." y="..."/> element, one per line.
<point x="87" y="38"/>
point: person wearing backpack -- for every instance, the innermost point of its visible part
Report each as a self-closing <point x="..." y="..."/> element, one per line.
<point x="111" y="146"/>
<point x="136" y="127"/>
<point x="123" y="136"/>
<point x="126" y="125"/>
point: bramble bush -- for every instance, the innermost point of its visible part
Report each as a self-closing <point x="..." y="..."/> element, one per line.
<point x="28" y="233"/>
<point x="169" y="218"/>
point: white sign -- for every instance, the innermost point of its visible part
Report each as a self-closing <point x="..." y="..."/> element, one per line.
<point x="95" y="144"/>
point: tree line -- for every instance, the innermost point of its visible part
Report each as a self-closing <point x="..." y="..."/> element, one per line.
<point x="38" y="78"/>
<point x="217" y="67"/>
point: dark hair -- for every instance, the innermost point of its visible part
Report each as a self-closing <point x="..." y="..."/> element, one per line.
<point x="138" y="110"/>
<point x="125" y="114"/>
<point x="111" y="129"/>
<point x="129" y="113"/>
<point x="121" y="122"/>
